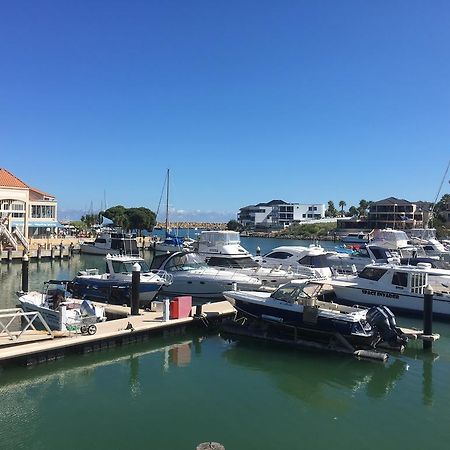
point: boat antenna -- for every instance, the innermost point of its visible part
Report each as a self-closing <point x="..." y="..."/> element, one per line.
<point x="438" y="193"/>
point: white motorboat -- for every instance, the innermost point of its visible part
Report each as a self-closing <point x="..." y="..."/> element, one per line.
<point x="113" y="243"/>
<point x="114" y="285"/>
<point x="308" y="261"/>
<point x="398" y="287"/>
<point x="426" y="237"/>
<point x="192" y="276"/>
<point x="359" y="258"/>
<point x="58" y="308"/>
<point x="223" y="250"/>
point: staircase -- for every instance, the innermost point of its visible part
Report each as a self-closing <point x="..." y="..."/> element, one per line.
<point x="6" y="235"/>
<point x="22" y="239"/>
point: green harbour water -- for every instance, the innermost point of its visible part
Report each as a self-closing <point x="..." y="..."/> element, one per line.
<point x="175" y="393"/>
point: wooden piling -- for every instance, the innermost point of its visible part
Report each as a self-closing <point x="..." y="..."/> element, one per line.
<point x="25" y="271"/>
<point x="428" y="317"/>
<point x="61" y="251"/>
<point x="52" y="252"/>
<point x="39" y="251"/>
<point x="135" y="284"/>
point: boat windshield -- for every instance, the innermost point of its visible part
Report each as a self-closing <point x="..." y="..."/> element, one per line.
<point x="234" y="263"/>
<point x="187" y="261"/>
<point x="289" y="293"/>
<point x="127" y="266"/>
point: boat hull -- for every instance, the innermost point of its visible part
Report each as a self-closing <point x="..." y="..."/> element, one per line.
<point x="321" y="329"/>
<point x="115" y="292"/>
<point x="52" y="318"/>
<point x="396" y="301"/>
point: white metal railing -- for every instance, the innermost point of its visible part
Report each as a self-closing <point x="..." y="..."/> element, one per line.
<point x="8" y="316"/>
<point x="6" y="233"/>
<point x="23" y="240"/>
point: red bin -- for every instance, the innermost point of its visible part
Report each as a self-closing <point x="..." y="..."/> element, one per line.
<point x="181" y="307"/>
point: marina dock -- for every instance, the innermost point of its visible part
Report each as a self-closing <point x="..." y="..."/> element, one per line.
<point x="37" y="347"/>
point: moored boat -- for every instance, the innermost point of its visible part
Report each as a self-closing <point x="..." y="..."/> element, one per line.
<point x="192" y="276"/>
<point x="114" y="285"/>
<point x="400" y="287"/>
<point x="58" y="308"/>
<point x="113" y="243"/>
<point x="294" y="307"/>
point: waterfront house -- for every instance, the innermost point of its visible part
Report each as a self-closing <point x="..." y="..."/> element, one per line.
<point x="278" y="214"/>
<point x="25" y="210"/>
<point x="390" y="212"/>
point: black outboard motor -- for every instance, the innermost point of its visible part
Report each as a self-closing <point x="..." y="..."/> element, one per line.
<point x="381" y="318"/>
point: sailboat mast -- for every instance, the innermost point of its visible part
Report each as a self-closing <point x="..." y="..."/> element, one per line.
<point x="167" y="203"/>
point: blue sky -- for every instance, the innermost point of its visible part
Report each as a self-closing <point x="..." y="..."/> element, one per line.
<point x="244" y="101"/>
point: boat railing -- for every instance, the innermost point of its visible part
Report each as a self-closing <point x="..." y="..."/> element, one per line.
<point x="8" y="324"/>
<point x="167" y="277"/>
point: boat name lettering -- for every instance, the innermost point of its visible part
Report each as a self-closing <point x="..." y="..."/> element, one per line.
<point x="380" y="293"/>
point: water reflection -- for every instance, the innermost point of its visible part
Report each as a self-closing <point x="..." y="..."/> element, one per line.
<point x="35" y="382"/>
<point x="314" y="378"/>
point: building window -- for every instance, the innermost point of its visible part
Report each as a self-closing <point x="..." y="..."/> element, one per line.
<point x="42" y="212"/>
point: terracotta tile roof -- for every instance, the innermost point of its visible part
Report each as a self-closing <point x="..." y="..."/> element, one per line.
<point x="7" y="179"/>
<point x="36" y="194"/>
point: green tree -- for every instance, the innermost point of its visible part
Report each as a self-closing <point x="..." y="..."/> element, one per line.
<point x="140" y="218"/>
<point x="234" y="225"/>
<point x="131" y="218"/>
<point x="89" y="220"/>
<point x="331" y="211"/>
<point x="342" y="204"/>
<point x="362" y="209"/>
<point x="115" y="213"/>
<point x="353" y="211"/>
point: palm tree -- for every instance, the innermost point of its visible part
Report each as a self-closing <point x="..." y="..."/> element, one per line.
<point x="341" y="205"/>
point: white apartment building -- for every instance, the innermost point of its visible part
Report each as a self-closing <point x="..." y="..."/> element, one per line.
<point x="279" y="214"/>
<point x="25" y="208"/>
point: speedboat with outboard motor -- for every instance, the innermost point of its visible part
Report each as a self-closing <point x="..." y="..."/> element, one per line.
<point x="114" y="285"/>
<point x="192" y="276"/>
<point x="294" y="305"/>
<point x="58" y="308"/>
<point x="223" y="250"/>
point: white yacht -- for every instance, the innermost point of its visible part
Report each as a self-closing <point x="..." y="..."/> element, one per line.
<point x="113" y="243"/>
<point x="114" y="285"/>
<point x="392" y="239"/>
<point x="223" y="250"/>
<point x="397" y="287"/>
<point x="359" y="258"/>
<point x="192" y="276"/>
<point x="426" y="237"/>
<point x="308" y="261"/>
